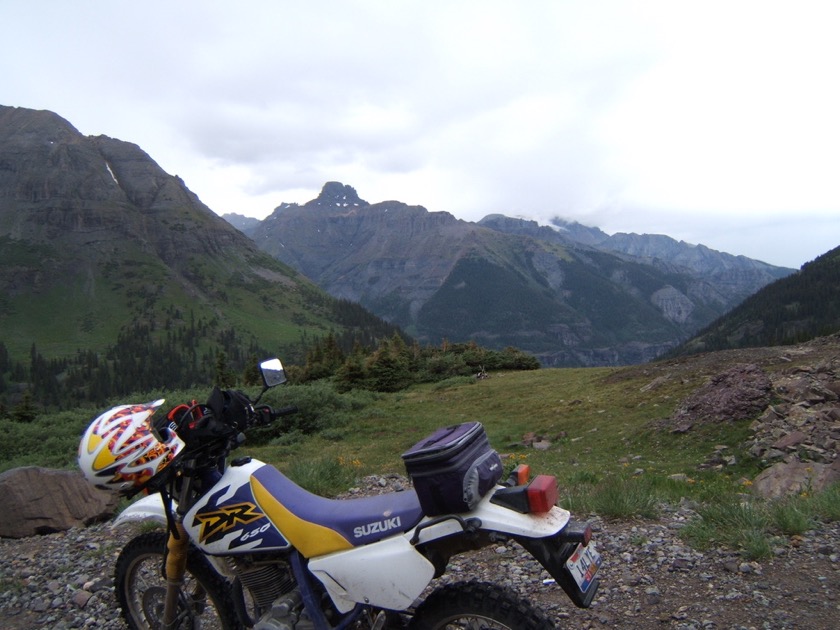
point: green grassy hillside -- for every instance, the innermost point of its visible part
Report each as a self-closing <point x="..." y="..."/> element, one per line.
<point x="598" y="421"/>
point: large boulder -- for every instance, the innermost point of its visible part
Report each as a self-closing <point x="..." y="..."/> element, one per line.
<point x="43" y="501"/>
<point x="795" y="477"/>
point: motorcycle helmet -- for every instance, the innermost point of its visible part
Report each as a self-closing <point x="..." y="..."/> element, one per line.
<point x="119" y="452"/>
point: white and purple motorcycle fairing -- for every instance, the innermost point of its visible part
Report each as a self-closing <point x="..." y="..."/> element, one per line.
<point x="362" y="550"/>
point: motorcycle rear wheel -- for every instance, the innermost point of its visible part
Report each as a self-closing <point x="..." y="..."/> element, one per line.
<point x="477" y="606"/>
<point x="141" y="588"/>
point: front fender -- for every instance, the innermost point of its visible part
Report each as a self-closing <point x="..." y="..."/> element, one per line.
<point x="149" y="508"/>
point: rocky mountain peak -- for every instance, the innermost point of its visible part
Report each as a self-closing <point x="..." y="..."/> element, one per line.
<point x="338" y="195"/>
<point x="90" y="192"/>
<point x="504" y="281"/>
<point x="34" y="128"/>
<point x="581" y="233"/>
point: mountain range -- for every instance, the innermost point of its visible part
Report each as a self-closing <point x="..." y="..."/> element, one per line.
<point x="569" y="294"/>
<point x="110" y="263"/>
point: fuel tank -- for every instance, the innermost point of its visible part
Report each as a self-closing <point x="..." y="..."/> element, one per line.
<point x="228" y="520"/>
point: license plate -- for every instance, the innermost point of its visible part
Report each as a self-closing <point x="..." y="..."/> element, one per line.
<point x="583" y="565"/>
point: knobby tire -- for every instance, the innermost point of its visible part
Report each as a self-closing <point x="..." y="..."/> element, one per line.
<point x="478" y="605"/>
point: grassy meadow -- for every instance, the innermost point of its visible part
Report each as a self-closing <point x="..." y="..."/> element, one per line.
<point x="604" y="448"/>
<point x="596" y="420"/>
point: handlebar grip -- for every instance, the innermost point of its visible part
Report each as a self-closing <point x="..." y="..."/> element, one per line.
<point x="285" y="411"/>
<point x="265" y="415"/>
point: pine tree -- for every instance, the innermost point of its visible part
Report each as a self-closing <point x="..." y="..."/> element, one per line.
<point x="224" y="379"/>
<point x="25" y="410"/>
<point x="251" y="375"/>
<point x="388" y="367"/>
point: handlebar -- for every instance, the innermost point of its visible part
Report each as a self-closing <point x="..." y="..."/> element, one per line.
<point x="265" y="415"/>
<point x="285" y="411"/>
<point x="199" y="424"/>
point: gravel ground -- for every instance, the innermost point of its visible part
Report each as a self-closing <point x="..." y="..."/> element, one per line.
<point x="650" y="579"/>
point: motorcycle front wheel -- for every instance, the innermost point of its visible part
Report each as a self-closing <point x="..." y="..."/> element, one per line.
<point x="140" y="587"/>
<point x="477" y="606"/>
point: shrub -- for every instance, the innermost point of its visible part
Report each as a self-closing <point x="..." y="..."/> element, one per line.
<point x="289" y="438"/>
<point x="792" y="515"/>
<point x="320" y="407"/>
<point x="325" y="476"/>
<point x="826" y="505"/>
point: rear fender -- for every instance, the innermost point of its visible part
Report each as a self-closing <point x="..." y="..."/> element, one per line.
<point x="552" y="552"/>
<point x="551" y="537"/>
<point x="494" y="518"/>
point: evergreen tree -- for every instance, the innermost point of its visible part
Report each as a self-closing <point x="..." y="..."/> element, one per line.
<point x="323" y="358"/>
<point x="25" y="410"/>
<point x="251" y="376"/>
<point x="5" y="362"/>
<point x="351" y="374"/>
<point x="388" y="369"/>
<point x="225" y="378"/>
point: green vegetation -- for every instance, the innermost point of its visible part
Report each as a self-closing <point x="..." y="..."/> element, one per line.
<point x="103" y="322"/>
<point x="606" y="452"/>
<point x="615" y="497"/>
<point x="510" y="301"/>
<point x="327" y="476"/>
<point x="394" y="365"/>
<point x="742" y="522"/>
<point x="172" y="348"/>
<point x="481" y="295"/>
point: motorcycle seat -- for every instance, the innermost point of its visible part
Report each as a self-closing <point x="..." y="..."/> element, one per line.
<point x="316" y="525"/>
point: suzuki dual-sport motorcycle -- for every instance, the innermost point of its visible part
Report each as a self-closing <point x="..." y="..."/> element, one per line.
<point x="245" y="547"/>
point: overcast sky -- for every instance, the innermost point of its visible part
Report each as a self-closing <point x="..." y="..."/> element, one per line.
<point x="711" y="122"/>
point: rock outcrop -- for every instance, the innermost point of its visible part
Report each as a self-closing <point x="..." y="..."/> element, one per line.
<point x="738" y="393"/>
<point x="796" y="426"/>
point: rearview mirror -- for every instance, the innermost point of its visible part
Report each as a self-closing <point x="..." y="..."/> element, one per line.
<point x="272" y="372"/>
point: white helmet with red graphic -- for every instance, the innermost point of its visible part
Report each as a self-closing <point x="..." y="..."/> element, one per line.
<point x="119" y="451"/>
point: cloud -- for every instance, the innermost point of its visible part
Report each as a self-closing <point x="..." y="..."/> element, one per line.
<point x="661" y="116"/>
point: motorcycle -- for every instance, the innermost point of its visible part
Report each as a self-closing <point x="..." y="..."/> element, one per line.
<point x="242" y="546"/>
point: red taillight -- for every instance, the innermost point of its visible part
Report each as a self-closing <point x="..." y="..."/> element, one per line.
<point x="542" y="493"/>
<point x="587" y="534"/>
<point x="523" y="474"/>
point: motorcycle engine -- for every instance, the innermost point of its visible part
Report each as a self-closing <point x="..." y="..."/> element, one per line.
<point x="264" y="581"/>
